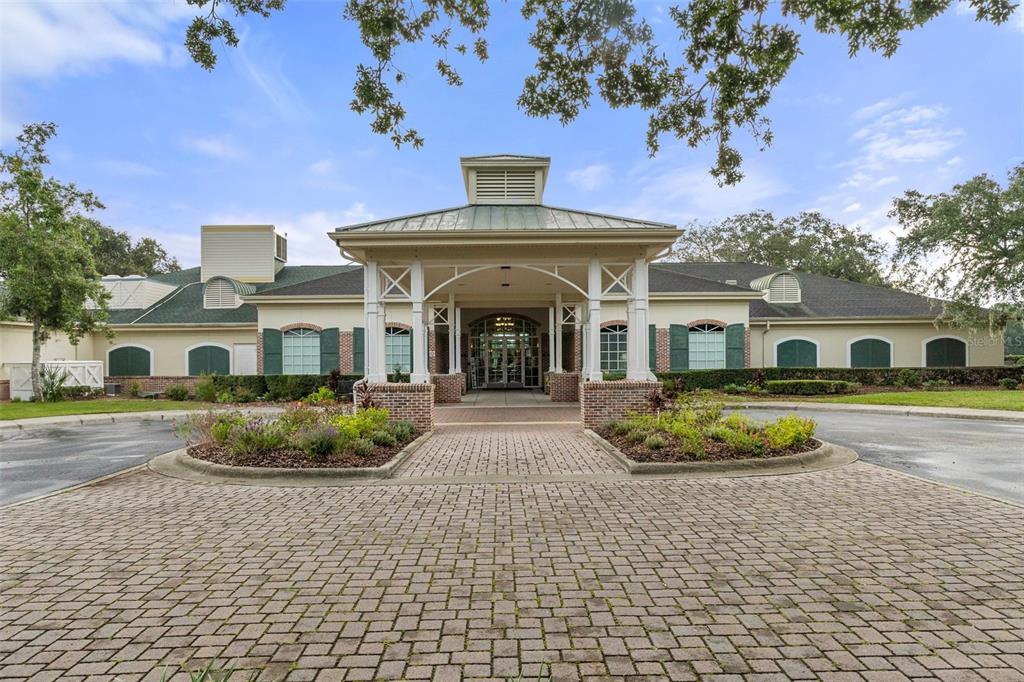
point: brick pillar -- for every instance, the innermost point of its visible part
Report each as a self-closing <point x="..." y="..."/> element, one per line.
<point x="605" y="401"/>
<point x="259" y="351"/>
<point x="565" y="387"/>
<point x="447" y="387"/>
<point x="407" y="402"/>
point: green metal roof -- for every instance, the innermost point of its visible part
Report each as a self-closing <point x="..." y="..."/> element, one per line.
<point x="484" y="217"/>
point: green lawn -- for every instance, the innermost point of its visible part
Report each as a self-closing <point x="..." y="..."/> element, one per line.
<point x="100" y="406"/>
<point x="985" y="400"/>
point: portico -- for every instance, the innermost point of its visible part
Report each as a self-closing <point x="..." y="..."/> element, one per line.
<point x="505" y="275"/>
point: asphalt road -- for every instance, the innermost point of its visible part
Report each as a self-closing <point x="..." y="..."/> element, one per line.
<point x="50" y="458"/>
<point x="985" y="456"/>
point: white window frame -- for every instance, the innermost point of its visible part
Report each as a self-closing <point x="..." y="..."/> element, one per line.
<point x="229" y="349"/>
<point x="817" y="349"/>
<point x="849" y="348"/>
<point x="152" y="355"/>
<point x="692" y="329"/>
<point x="392" y="331"/>
<point x="925" y="342"/>
<point x="291" y="333"/>
<point x="616" y="330"/>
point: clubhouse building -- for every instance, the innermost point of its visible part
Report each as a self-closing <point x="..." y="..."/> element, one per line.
<point x="505" y="291"/>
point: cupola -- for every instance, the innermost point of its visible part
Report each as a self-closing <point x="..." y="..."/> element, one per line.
<point x="505" y="178"/>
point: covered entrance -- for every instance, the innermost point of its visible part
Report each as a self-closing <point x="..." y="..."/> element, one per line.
<point x="504" y="352"/>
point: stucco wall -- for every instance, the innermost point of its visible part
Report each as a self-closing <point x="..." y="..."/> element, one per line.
<point x="341" y="315"/>
<point x="16" y="346"/>
<point x="168" y="345"/>
<point x="907" y="341"/>
<point x="664" y="313"/>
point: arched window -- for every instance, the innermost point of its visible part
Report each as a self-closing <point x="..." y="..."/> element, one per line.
<point x="208" y="359"/>
<point x="796" y="353"/>
<point x="872" y="352"/>
<point x="707" y="346"/>
<point x="300" y="350"/>
<point x="397" y="350"/>
<point x="129" y="361"/>
<point x="613" y="348"/>
<point x="945" y="351"/>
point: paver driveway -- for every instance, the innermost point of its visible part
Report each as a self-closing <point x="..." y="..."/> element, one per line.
<point x="852" y="573"/>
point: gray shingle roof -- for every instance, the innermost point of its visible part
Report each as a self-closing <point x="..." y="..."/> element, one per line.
<point x="531" y="217"/>
<point x="820" y="296"/>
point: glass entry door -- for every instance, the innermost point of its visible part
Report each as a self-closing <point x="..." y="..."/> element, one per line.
<point x="504" y="351"/>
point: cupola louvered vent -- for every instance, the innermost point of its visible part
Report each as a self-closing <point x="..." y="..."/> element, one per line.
<point x="220" y="293"/>
<point x="506" y="185"/>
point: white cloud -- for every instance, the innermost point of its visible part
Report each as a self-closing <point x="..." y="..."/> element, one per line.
<point x="44" y="39"/>
<point x="322" y="167"/>
<point x="852" y="208"/>
<point x="127" y="168"/>
<point x="590" y="177"/>
<point x="214" y="146"/>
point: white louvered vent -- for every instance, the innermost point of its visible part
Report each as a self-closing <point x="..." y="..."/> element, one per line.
<point x="506" y="185"/>
<point x="785" y="288"/>
<point x="220" y="293"/>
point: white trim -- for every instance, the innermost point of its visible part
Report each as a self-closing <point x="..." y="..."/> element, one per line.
<point x="817" y="349"/>
<point x="925" y="342"/>
<point x="849" y="348"/>
<point x="152" y="355"/>
<point x="229" y="349"/>
<point x="481" y="268"/>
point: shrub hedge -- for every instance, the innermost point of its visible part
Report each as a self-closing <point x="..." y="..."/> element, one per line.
<point x="809" y="387"/>
<point x="285" y="386"/>
<point x="1017" y="360"/>
<point x="756" y="376"/>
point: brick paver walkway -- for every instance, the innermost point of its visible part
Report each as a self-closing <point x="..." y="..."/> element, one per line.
<point x="514" y="450"/>
<point x="852" y="573"/>
<point x="549" y="413"/>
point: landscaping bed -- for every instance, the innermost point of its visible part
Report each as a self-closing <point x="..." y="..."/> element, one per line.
<point x="332" y="436"/>
<point x="694" y="430"/>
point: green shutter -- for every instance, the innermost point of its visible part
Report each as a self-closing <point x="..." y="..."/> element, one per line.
<point x="209" y="360"/>
<point x="946" y="353"/>
<point x="652" y="347"/>
<point x="128" y="361"/>
<point x="796" y="353"/>
<point x="679" y="347"/>
<point x="735" y="346"/>
<point x="870" y="353"/>
<point x="272" y="341"/>
<point x="358" y="350"/>
<point x="329" y="350"/>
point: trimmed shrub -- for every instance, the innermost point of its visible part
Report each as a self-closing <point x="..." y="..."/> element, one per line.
<point x="809" y="387"/>
<point x="206" y="389"/>
<point x="656" y="441"/>
<point x="255" y="383"/>
<point x="402" y="430"/>
<point x="1014" y="360"/>
<point x="613" y="376"/>
<point x="716" y="379"/>
<point x="1009" y="384"/>
<point x="362" y="447"/>
<point x="318" y="441"/>
<point x="908" y="378"/>
<point x="243" y="395"/>
<point x="382" y="437"/>
<point x="789" y="431"/>
<point x="176" y="392"/>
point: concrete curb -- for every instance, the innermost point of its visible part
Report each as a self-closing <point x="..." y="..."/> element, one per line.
<point x="899" y="410"/>
<point x="178" y="464"/>
<point x="118" y="417"/>
<point x="826" y="456"/>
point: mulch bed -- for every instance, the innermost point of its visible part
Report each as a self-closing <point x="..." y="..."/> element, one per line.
<point x="296" y="459"/>
<point x="714" y="451"/>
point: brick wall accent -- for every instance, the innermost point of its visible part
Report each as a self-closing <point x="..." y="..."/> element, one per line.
<point x="302" y="325"/>
<point x="432" y="352"/>
<point x="345" y="352"/>
<point x="5" y="389"/>
<point x="694" y="323"/>
<point x="663" y="353"/>
<point x="154" y="383"/>
<point x="565" y="387"/>
<point x="604" y="401"/>
<point x="577" y="350"/>
<point x="448" y="387"/>
<point x="746" y="346"/>
<point x="259" y="351"/>
<point x="408" y="402"/>
<point x="609" y="323"/>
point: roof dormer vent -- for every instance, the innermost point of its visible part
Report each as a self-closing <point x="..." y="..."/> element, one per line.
<point x="505" y="178"/>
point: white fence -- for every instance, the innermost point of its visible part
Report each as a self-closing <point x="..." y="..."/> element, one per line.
<point x="79" y="373"/>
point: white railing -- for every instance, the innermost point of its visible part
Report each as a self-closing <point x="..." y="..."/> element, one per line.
<point x="79" y="373"/>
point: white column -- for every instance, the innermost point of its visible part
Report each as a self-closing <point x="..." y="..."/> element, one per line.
<point x="631" y="338"/>
<point x="558" y="333"/>
<point x="551" y="339"/>
<point x="593" y="349"/>
<point x="458" y="340"/>
<point x="420" y="371"/>
<point x="453" y="332"/>
<point x="373" y="343"/>
<point x="641" y="364"/>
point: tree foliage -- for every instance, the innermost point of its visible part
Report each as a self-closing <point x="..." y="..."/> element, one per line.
<point x="46" y="264"/>
<point x="117" y="254"/>
<point x="716" y="79"/>
<point x="808" y="242"/>
<point x="968" y="245"/>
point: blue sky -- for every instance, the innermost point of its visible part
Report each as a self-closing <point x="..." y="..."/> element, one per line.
<point x="268" y="136"/>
